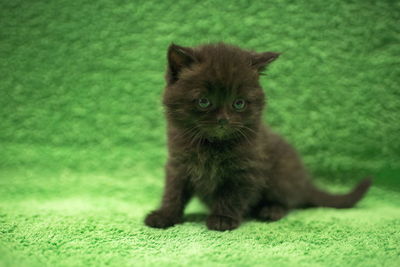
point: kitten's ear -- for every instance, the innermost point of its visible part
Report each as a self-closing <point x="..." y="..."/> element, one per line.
<point x="260" y="61"/>
<point x="179" y="57"/>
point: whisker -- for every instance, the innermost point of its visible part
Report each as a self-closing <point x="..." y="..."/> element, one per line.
<point x="188" y="133"/>
<point x="248" y="128"/>
<point x="240" y="131"/>
<point x="194" y="138"/>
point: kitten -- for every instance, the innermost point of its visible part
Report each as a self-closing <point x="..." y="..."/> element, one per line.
<point x="221" y="151"/>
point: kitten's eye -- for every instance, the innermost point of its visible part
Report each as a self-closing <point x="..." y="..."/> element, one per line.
<point x="204" y="102"/>
<point x="239" y="104"/>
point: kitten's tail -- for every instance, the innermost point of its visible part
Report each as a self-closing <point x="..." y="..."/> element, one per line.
<point x="319" y="198"/>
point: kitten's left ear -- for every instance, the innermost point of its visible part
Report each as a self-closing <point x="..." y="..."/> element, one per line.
<point x="260" y="61"/>
<point x="179" y="57"/>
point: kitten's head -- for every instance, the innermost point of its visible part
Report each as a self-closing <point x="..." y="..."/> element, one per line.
<point x="213" y="91"/>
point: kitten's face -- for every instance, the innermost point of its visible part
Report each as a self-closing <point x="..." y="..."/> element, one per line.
<point x="217" y="97"/>
<point x="214" y="109"/>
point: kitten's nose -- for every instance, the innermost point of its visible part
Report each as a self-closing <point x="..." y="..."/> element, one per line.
<point x="222" y="121"/>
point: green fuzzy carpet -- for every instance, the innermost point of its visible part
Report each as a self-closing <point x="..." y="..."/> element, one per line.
<point x="82" y="134"/>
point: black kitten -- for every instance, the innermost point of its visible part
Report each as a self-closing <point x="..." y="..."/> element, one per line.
<point x="219" y="148"/>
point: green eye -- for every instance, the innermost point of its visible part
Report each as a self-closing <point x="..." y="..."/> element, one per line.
<point x="204" y="102"/>
<point x="239" y="104"/>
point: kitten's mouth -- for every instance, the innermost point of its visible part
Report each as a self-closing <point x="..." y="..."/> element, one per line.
<point x="216" y="132"/>
<point x="220" y="131"/>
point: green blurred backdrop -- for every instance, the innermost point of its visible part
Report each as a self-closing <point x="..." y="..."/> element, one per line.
<point x="81" y="85"/>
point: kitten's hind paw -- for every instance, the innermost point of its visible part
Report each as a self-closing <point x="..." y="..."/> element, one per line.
<point x="272" y="213"/>
<point x="221" y="223"/>
<point x="161" y="219"/>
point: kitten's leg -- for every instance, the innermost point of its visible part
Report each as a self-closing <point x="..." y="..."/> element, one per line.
<point x="272" y="212"/>
<point x="228" y="208"/>
<point x="176" y="195"/>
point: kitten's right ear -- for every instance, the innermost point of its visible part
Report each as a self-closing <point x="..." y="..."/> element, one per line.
<point x="179" y="57"/>
<point x="260" y="61"/>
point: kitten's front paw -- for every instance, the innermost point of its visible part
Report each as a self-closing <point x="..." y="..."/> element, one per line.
<point x="161" y="219"/>
<point x="221" y="223"/>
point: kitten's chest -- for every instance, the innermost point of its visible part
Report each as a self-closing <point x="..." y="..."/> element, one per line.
<point x="209" y="169"/>
<point x="209" y="166"/>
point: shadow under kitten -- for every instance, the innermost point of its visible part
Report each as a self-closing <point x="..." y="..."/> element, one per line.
<point x="221" y="151"/>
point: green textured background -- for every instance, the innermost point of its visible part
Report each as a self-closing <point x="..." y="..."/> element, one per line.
<point x="82" y="134"/>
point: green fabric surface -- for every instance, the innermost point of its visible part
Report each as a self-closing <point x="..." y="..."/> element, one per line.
<point x="82" y="133"/>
